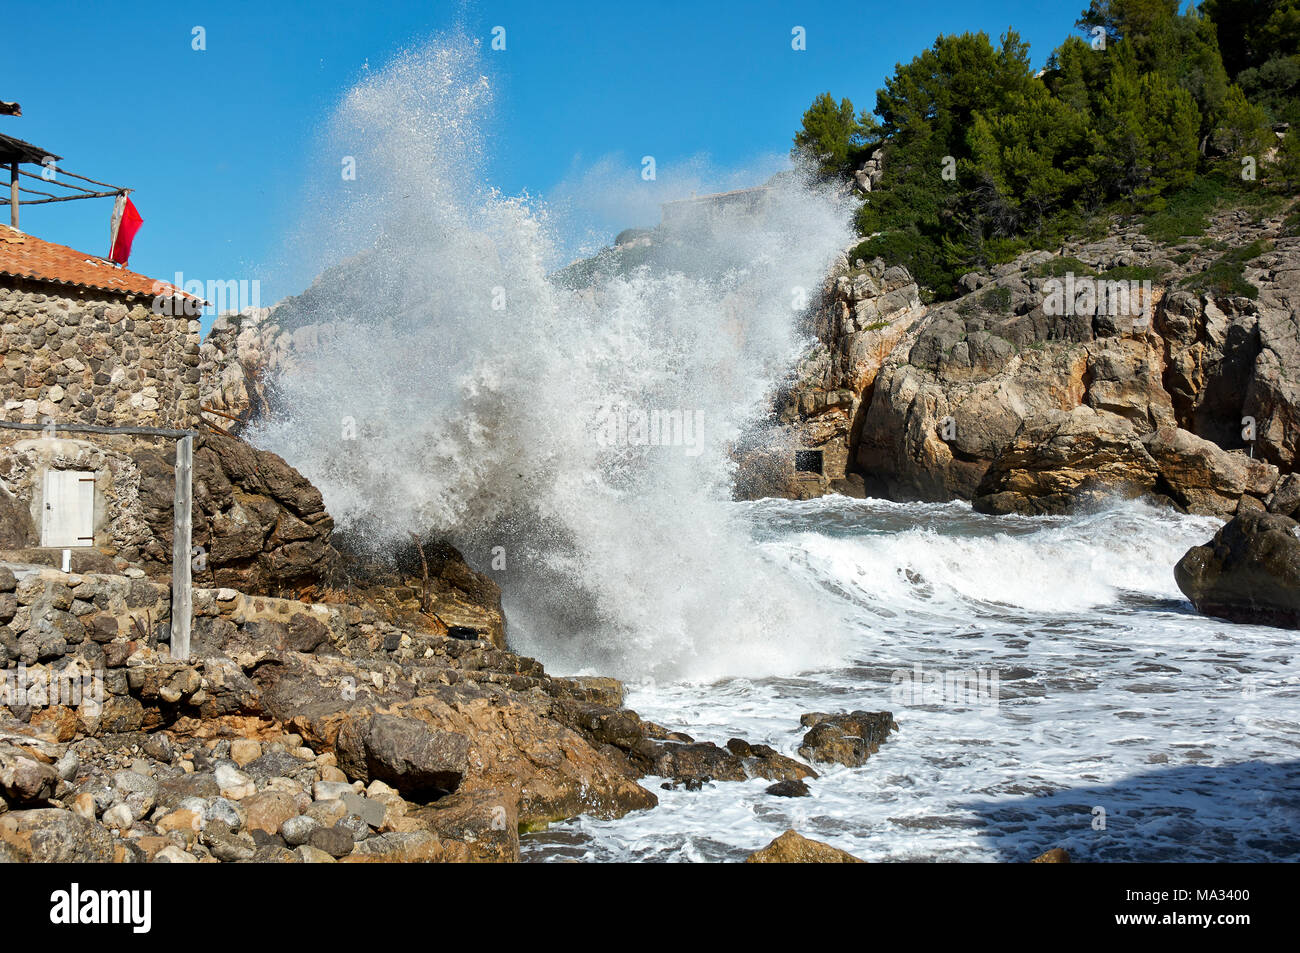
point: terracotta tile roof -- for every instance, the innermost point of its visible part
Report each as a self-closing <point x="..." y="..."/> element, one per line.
<point x="26" y="256"/>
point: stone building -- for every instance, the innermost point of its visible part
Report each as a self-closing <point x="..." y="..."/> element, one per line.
<point x="89" y="342"/>
<point x="85" y="342"/>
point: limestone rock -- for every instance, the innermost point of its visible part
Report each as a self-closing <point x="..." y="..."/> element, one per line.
<point x="1249" y="571"/>
<point x="848" y="739"/>
<point x="793" y="848"/>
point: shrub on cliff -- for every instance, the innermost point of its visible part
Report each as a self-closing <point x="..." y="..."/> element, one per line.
<point x="984" y="157"/>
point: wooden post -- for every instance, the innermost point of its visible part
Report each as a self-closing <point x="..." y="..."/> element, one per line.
<point x="182" y="596"/>
<point x="13" y="193"/>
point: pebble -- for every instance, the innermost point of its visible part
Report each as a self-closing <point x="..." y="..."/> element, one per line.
<point x="118" y="816"/>
<point x="379" y="788"/>
<point x="174" y="855"/>
<point x="334" y="841"/>
<point x="83" y="805"/>
<point x="181" y="820"/>
<point x="330" y="789"/>
<point x="244" y="751"/>
<point x="234" y="784"/>
<point x="66" y="767"/>
<point x="296" y="830"/>
<point x="159" y="746"/>
<point x="314" y="855"/>
<point x="356" y="827"/>
<point x="225" y="811"/>
<point x="327" y="812"/>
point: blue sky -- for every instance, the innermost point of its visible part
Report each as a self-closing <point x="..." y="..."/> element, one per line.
<point x="217" y="143"/>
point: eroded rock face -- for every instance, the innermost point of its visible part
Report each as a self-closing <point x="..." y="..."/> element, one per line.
<point x="262" y="525"/>
<point x="955" y="400"/>
<point x="865" y="311"/>
<point x="1249" y="571"/>
<point x="1203" y="478"/>
<point x="1059" y="461"/>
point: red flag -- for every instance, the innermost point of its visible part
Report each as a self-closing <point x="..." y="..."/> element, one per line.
<point x="130" y="224"/>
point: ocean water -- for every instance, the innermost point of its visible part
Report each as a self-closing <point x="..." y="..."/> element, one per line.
<point x="1123" y="726"/>
<point x="464" y="393"/>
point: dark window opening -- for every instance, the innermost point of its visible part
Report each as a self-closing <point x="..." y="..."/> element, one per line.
<point x="808" y="461"/>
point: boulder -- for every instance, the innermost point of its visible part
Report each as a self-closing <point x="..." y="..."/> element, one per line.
<point x="1060" y="460"/>
<point x="793" y="848"/>
<point x="1057" y="855"/>
<point x="848" y="739"/>
<point x="420" y="762"/>
<point x="1249" y="571"/>
<point x="52" y="835"/>
<point x="1203" y="478"/>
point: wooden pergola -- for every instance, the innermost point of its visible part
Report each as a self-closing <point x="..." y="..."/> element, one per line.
<point x="15" y="153"/>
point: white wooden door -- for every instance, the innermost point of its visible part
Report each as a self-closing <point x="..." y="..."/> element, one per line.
<point x="69" y="515"/>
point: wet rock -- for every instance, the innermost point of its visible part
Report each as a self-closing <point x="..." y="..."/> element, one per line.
<point x="848" y="739"/>
<point x="1249" y="572"/>
<point x="788" y="789"/>
<point x="1057" y="855"/>
<point x="763" y="761"/>
<point x="700" y="761"/>
<point x="1058" y="461"/>
<point x="793" y="848"/>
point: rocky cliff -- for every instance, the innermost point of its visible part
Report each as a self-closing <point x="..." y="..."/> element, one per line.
<point x="1119" y="366"/>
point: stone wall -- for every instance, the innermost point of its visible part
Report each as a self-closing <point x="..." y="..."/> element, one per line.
<point x="88" y="356"/>
<point x="258" y="523"/>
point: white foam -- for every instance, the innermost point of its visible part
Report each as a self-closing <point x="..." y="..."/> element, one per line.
<point x="481" y="424"/>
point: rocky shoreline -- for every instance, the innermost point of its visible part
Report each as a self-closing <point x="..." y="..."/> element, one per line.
<point x="1111" y="369"/>
<point x="317" y="729"/>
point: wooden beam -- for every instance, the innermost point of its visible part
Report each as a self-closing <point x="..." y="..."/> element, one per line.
<point x="13" y="193"/>
<point x="216" y="428"/>
<point x="61" y="198"/>
<point x="220" y="413"/>
<point x="55" y="181"/>
<point x="182" y="594"/>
